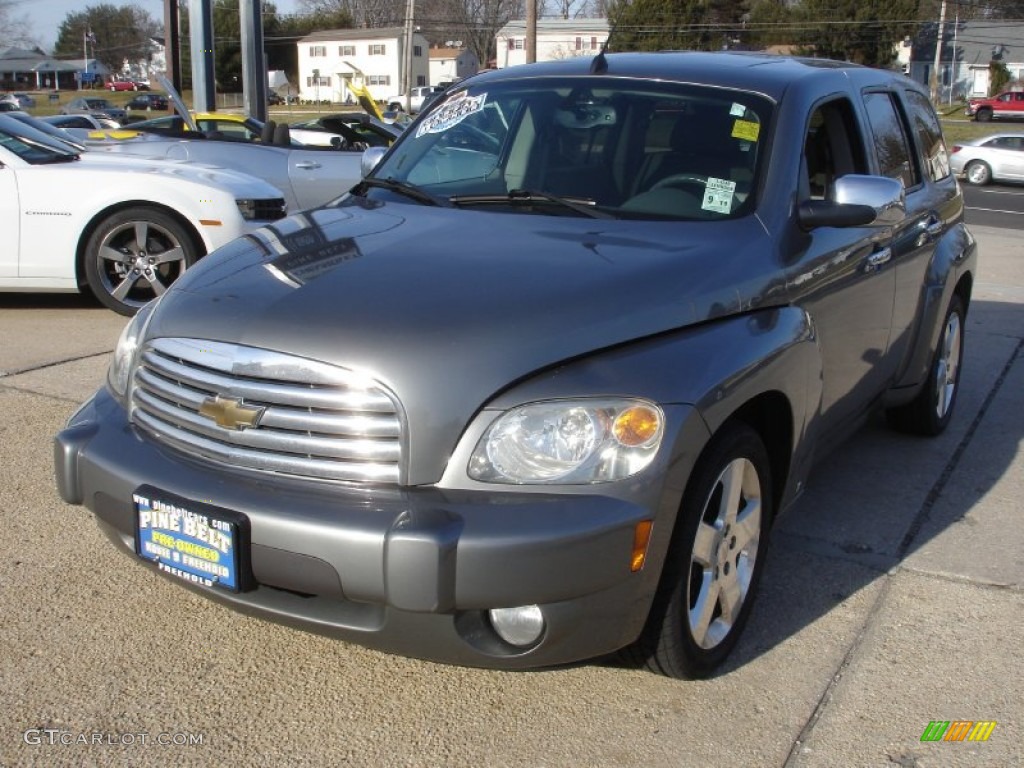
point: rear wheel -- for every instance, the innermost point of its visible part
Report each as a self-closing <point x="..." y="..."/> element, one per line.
<point x="715" y="562"/>
<point x="978" y="173"/>
<point x="134" y="255"/>
<point x="930" y="412"/>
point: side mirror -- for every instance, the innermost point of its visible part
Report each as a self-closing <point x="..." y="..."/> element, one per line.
<point x="370" y="158"/>
<point x="857" y="201"/>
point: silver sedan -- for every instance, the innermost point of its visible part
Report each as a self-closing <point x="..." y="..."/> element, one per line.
<point x="999" y="157"/>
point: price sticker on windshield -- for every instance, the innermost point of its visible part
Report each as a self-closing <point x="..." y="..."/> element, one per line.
<point x="746" y="130"/>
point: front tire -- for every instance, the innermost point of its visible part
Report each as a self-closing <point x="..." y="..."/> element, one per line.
<point x="978" y="173"/>
<point x="134" y="255"/>
<point x="930" y="412"/>
<point x="715" y="561"/>
<point x="984" y="115"/>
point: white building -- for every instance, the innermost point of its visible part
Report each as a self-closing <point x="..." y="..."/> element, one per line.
<point x="374" y="57"/>
<point x="556" y="39"/>
<point x="450" y="64"/>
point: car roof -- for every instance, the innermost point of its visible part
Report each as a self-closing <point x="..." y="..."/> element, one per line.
<point x="770" y="74"/>
<point x="977" y="140"/>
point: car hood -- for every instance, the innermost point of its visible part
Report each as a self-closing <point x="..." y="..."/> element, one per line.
<point x="242" y="184"/>
<point x="447" y="307"/>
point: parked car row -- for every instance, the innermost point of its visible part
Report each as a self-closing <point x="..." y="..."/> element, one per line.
<point x="122" y="227"/>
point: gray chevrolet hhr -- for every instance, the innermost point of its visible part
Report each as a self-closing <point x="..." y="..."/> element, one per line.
<point x="535" y="389"/>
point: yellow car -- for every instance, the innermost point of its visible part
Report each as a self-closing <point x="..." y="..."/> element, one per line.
<point x="224" y="125"/>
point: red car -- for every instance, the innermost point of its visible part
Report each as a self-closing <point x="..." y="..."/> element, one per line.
<point x="126" y="85"/>
<point x="1007" y="105"/>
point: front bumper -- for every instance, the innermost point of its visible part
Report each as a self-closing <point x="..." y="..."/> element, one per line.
<point x="411" y="570"/>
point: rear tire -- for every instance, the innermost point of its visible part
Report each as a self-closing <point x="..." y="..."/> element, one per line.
<point x="715" y="561"/>
<point x="930" y="412"/>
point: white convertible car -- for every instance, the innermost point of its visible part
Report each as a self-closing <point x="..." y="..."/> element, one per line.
<point x="122" y="227"/>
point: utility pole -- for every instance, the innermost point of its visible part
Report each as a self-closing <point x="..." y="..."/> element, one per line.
<point x="938" y="55"/>
<point x="531" y="31"/>
<point x="410" y="10"/>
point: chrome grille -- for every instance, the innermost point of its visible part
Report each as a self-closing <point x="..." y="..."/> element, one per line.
<point x="311" y="419"/>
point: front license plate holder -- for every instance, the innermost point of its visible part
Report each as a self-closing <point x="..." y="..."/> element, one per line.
<point x="193" y="540"/>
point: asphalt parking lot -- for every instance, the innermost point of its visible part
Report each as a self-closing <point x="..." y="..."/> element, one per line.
<point x="892" y="598"/>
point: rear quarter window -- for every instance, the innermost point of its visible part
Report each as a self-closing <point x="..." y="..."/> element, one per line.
<point x="890" y="139"/>
<point x="929" y="136"/>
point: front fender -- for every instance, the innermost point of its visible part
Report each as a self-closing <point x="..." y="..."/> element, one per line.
<point x="713" y="371"/>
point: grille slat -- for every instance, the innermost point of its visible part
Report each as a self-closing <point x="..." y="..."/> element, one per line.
<point x="284" y="393"/>
<point x="317" y="420"/>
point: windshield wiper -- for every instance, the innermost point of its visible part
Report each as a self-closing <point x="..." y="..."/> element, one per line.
<point x="402" y="188"/>
<point x="582" y="206"/>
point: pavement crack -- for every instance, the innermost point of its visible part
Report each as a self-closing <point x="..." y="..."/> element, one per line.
<point x="939" y="486"/>
<point x="55" y="363"/>
<point x="913" y="530"/>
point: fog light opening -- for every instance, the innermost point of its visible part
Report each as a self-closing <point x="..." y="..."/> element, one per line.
<point x="521" y="626"/>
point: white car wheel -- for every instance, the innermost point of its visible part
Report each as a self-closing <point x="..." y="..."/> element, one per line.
<point x="134" y="255"/>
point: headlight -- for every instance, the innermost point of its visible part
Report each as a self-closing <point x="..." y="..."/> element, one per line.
<point x="121" y="365"/>
<point x="262" y="210"/>
<point x="569" y="442"/>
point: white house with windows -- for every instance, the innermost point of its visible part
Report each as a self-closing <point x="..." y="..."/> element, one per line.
<point x="556" y="39"/>
<point x="373" y="57"/>
<point x="450" y="64"/>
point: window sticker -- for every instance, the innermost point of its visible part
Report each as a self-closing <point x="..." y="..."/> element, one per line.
<point x="451" y="114"/>
<point x="718" y="195"/>
<point x="746" y="129"/>
<point x="738" y="110"/>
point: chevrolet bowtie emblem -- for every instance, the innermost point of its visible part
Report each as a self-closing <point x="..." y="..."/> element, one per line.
<point x="230" y="413"/>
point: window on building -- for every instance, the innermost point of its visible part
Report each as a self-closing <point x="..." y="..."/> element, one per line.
<point x="579" y="43"/>
<point x="378" y="79"/>
<point x="593" y="43"/>
<point x="377" y="49"/>
<point x="421" y="80"/>
<point x="417" y="50"/>
<point x="346" y="50"/>
<point x="312" y="82"/>
<point x="317" y="50"/>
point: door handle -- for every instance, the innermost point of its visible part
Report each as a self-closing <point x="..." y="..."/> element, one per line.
<point x="934" y="227"/>
<point x="307" y="165"/>
<point x="877" y="259"/>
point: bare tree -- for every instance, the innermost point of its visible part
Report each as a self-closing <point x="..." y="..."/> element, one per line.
<point x="14" y="30"/>
<point x="364" y="13"/>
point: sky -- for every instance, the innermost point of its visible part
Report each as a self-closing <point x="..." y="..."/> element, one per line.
<point x="46" y="16"/>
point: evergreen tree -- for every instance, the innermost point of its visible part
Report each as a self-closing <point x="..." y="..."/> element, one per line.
<point x="653" y="25"/>
<point x="121" y="34"/>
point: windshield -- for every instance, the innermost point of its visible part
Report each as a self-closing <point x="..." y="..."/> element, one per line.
<point x="31" y="141"/>
<point x="629" y="148"/>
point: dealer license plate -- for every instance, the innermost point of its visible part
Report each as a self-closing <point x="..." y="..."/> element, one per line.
<point x="192" y="540"/>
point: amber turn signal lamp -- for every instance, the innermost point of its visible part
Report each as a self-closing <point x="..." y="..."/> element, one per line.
<point x="636" y="426"/>
<point x="641" y="538"/>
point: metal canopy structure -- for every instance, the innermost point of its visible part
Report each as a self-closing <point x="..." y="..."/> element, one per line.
<point x="254" y="78"/>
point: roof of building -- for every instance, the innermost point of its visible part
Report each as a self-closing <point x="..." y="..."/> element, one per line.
<point x="518" y="27"/>
<point x="375" y="33"/>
